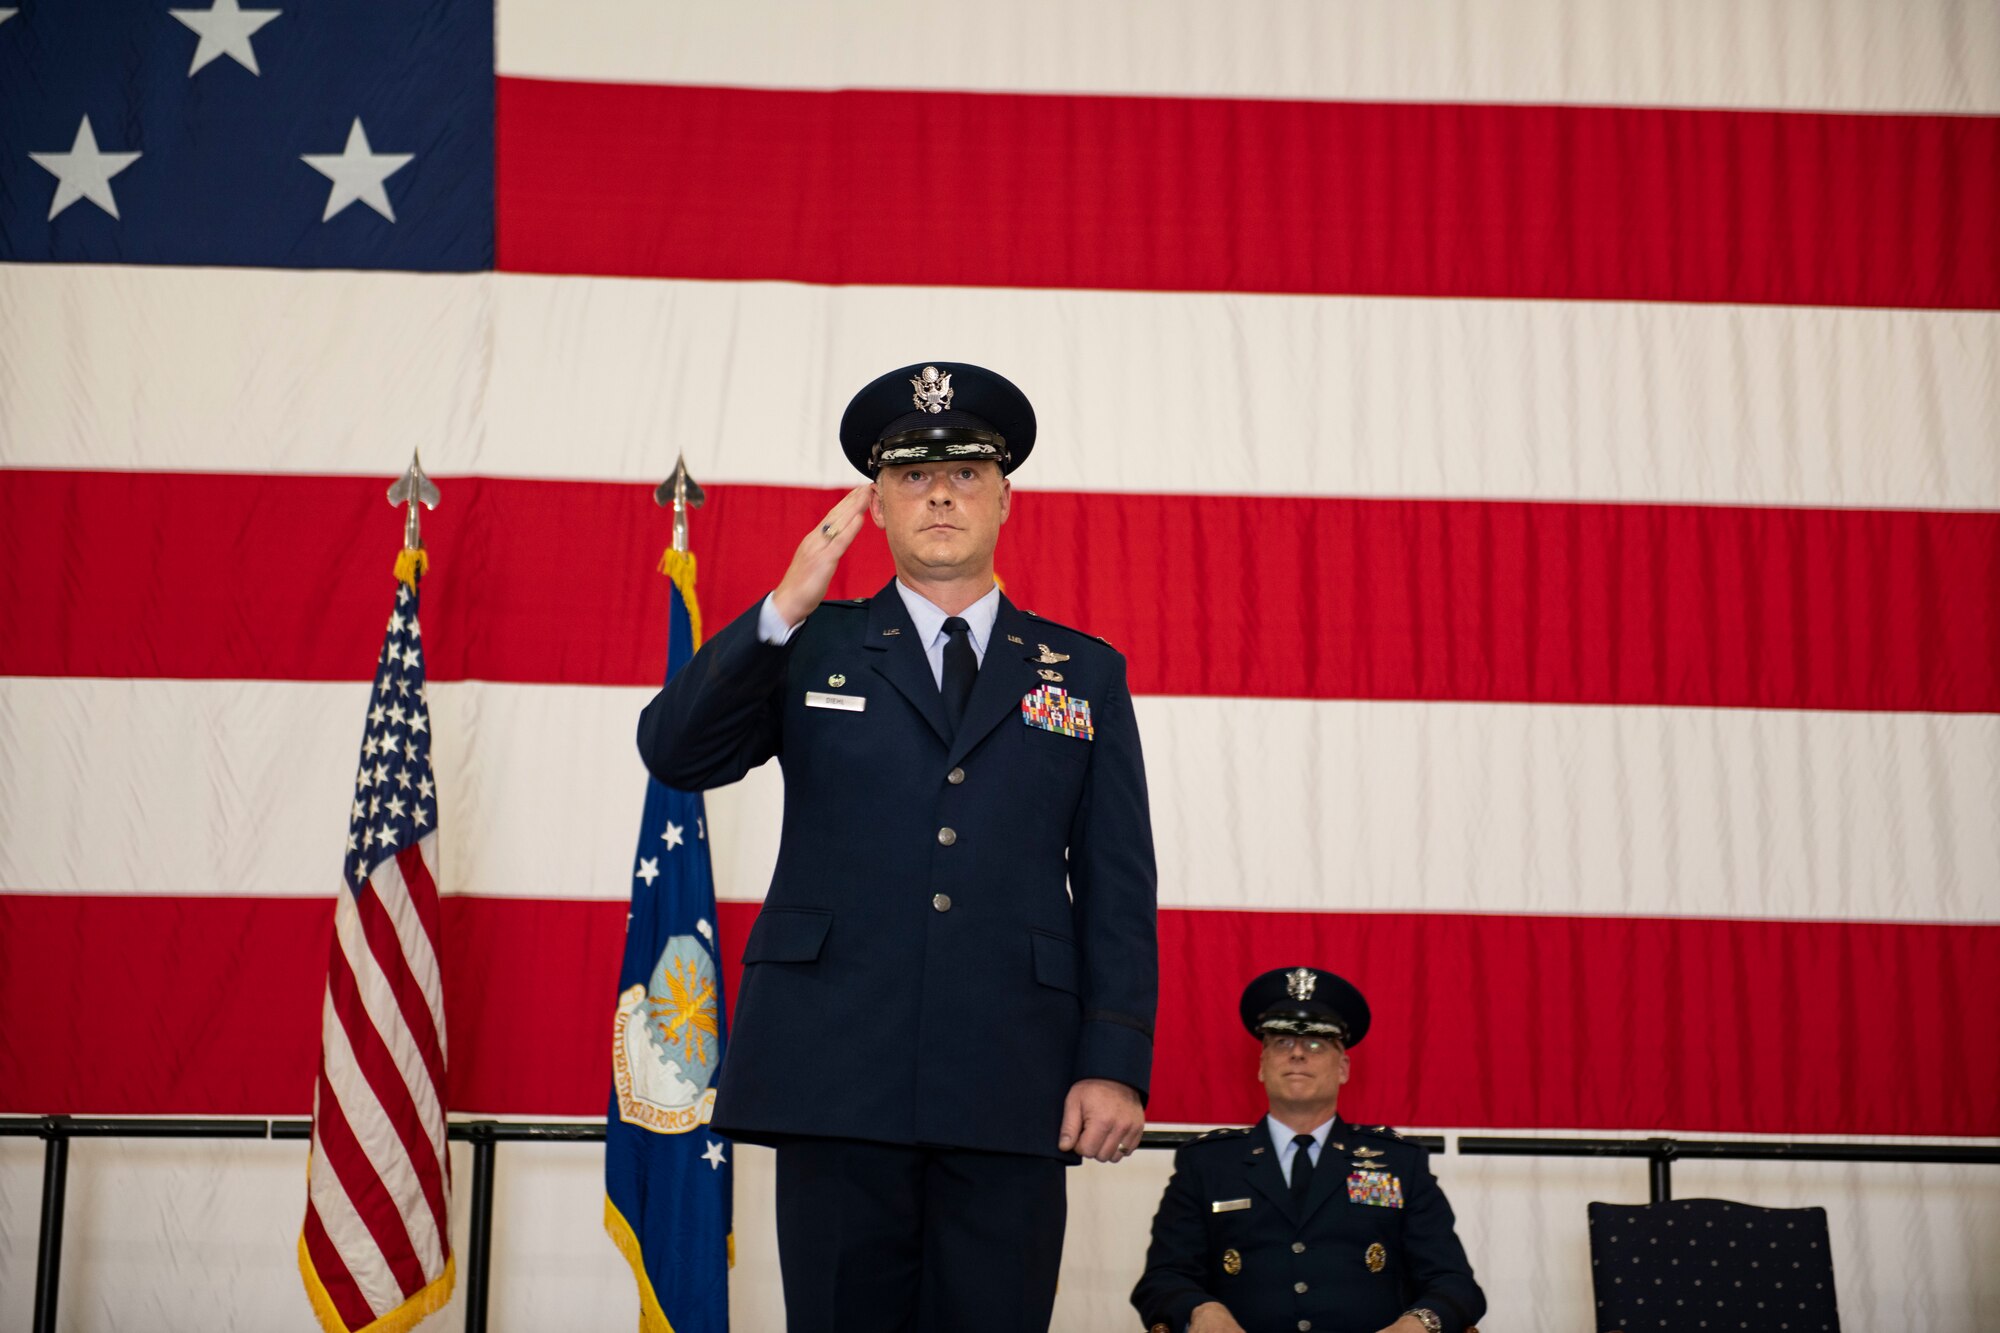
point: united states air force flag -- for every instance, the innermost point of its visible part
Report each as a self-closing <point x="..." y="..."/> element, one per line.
<point x="666" y="1175"/>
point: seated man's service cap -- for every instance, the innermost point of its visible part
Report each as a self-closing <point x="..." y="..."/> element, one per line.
<point x="937" y="412"/>
<point x="1305" y="1001"/>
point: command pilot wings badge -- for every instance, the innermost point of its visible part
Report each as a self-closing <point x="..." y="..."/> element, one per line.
<point x="1049" y="656"/>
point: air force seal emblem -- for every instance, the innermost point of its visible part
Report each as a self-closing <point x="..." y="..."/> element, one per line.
<point x="667" y="1041"/>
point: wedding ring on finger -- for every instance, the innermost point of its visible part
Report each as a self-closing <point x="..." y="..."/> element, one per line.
<point x="826" y="531"/>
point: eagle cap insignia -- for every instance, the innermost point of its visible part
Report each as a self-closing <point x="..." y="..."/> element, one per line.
<point x="1299" y="983"/>
<point x="933" y="389"/>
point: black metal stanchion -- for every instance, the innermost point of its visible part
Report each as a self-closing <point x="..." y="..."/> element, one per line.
<point x="479" y="1247"/>
<point x="48" y="1261"/>
<point x="1660" y="1175"/>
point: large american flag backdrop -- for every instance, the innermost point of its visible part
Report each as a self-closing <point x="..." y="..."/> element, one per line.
<point x="1539" y="458"/>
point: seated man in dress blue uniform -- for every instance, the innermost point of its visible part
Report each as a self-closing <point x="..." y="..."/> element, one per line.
<point x="1304" y="1223"/>
<point x="949" y="993"/>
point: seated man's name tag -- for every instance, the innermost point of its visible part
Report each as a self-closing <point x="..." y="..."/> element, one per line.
<point x="1228" y="1205"/>
<point x="1378" y="1189"/>
<point x="846" y="703"/>
<point x="1053" y="708"/>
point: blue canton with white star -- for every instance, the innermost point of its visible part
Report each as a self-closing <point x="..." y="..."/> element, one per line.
<point x="395" y="793"/>
<point x="248" y="133"/>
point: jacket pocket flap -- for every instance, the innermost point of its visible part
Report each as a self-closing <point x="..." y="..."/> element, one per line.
<point x="1055" y="962"/>
<point x="787" y="935"/>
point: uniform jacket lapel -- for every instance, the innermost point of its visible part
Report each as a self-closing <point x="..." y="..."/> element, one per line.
<point x="1003" y="678"/>
<point x="1260" y="1164"/>
<point x="899" y="658"/>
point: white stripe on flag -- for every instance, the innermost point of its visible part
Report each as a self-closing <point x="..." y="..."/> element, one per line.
<point x="380" y="1143"/>
<point x="1919" y="55"/>
<point x="345" y="1229"/>
<point x="386" y="1016"/>
<point x="1256" y="803"/>
<point x="516" y="375"/>
<point x="394" y="894"/>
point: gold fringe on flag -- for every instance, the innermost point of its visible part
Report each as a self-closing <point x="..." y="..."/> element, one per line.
<point x="399" y="1320"/>
<point x="652" y="1319"/>
<point x="679" y="566"/>
<point x="412" y="565"/>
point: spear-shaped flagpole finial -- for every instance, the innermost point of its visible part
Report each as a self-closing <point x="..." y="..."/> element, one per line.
<point x="679" y="492"/>
<point x="410" y="489"/>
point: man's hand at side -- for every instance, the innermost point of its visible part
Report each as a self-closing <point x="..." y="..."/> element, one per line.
<point x="1214" y="1317"/>
<point x="1102" y="1120"/>
<point x="804" y="586"/>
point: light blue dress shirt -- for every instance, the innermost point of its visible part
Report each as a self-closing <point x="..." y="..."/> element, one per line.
<point x="925" y="614"/>
<point x="1281" y="1139"/>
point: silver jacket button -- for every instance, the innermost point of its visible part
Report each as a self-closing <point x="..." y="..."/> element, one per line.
<point x="947" y="836"/>
<point x="941" y="901"/>
<point x="956" y="776"/>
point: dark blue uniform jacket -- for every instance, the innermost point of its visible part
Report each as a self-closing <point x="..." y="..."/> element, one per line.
<point x="959" y="926"/>
<point x="1304" y="1268"/>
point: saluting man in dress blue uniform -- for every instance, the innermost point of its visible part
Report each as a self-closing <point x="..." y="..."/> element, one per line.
<point x="1305" y="1223"/>
<point x="949" y="993"/>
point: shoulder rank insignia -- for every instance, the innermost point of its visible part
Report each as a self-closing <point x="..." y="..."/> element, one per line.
<point x="1226" y="1132"/>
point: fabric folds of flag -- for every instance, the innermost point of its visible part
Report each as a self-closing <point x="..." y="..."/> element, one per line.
<point x="667" y="1176"/>
<point x="375" y="1251"/>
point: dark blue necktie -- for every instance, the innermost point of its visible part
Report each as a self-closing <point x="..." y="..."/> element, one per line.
<point x="1302" y="1167"/>
<point x="960" y="667"/>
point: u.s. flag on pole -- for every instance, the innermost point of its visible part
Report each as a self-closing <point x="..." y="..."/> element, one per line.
<point x="375" y="1251"/>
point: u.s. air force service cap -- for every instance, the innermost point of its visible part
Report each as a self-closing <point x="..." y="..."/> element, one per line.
<point x="937" y="412"/>
<point x="1305" y="1001"/>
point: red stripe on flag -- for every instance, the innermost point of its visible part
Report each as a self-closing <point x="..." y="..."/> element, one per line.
<point x="423" y="891"/>
<point x="1605" y="1022"/>
<point x="1480" y="1021"/>
<point x="411" y="1001"/>
<point x="1684" y="605"/>
<point x="366" y="1190"/>
<point x="1187" y="194"/>
<point x="378" y="1066"/>
<point x="331" y="1269"/>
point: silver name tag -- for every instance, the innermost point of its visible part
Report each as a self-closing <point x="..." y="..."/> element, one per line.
<point x="1228" y="1205"/>
<point x="851" y="703"/>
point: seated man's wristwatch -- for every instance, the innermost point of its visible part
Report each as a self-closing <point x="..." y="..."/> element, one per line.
<point x="1428" y="1318"/>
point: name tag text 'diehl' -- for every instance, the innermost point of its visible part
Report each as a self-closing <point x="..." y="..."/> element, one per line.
<point x="847" y="703"/>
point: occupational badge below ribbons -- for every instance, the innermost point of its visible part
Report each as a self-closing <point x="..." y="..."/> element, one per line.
<point x="1376" y="1188"/>
<point x="667" y="1041"/>
<point x="1052" y="708"/>
<point x="1377" y="1258"/>
<point x="1232" y="1262"/>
